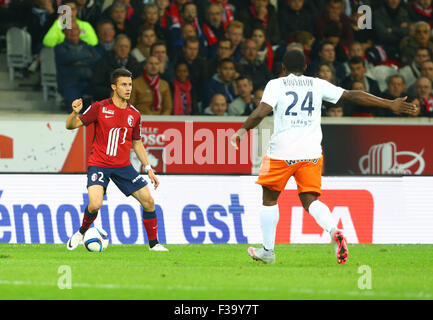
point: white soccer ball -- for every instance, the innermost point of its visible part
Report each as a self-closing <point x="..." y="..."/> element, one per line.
<point x="95" y="240"/>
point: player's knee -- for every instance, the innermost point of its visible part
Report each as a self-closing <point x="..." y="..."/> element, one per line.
<point x="94" y="206"/>
<point x="148" y="204"/>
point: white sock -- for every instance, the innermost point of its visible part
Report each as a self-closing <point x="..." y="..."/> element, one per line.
<point x="323" y="216"/>
<point x="269" y="216"/>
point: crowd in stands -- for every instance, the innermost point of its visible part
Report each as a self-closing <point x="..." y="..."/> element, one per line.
<point x="214" y="57"/>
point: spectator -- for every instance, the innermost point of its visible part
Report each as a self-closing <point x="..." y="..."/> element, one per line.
<point x="244" y="104"/>
<point x="119" y="57"/>
<point x="334" y="110"/>
<point x="357" y="50"/>
<point x="421" y="39"/>
<point x="173" y="15"/>
<point x="221" y="82"/>
<point x="213" y="27"/>
<point x="423" y="89"/>
<point x="426" y="71"/>
<point x="265" y="54"/>
<point x="41" y="16"/>
<point x="357" y="73"/>
<point x="184" y="101"/>
<point x="333" y="14"/>
<point x="293" y="17"/>
<point x="223" y="51"/>
<point x="261" y="14"/>
<point x="327" y="73"/>
<point x="365" y="35"/>
<point x="118" y="14"/>
<point x="89" y="10"/>
<point x="332" y="34"/>
<point x="217" y="107"/>
<point x="186" y="31"/>
<point x="395" y="89"/>
<point x="55" y="35"/>
<point x="258" y="93"/>
<point x="163" y="13"/>
<point x="391" y="25"/>
<point x="326" y="55"/>
<point x="74" y="63"/>
<point x="146" y="38"/>
<point x="252" y="67"/>
<point x="166" y="68"/>
<point x="189" y="15"/>
<point x="412" y="71"/>
<point x="150" y="18"/>
<point x="196" y="65"/>
<point x="228" y="9"/>
<point x="106" y="33"/>
<point x="235" y="33"/>
<point x="128" y="8"/>
<point x="421" y="10"/>
<point x="151" y="94"/>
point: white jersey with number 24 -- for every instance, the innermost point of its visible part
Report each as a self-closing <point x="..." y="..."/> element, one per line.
<point x="296" y="103"/>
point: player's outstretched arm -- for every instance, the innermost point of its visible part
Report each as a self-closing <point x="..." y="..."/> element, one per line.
<point x="140" y="151"/>
<point x="366" y="99"/>
<point x="73" y="122"/>
<point x="252" y="121"/>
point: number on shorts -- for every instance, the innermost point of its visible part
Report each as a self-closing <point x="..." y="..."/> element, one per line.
<point x="101" y="177"/>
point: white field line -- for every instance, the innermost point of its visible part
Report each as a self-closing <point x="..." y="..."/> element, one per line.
<point x="353" y="293"/>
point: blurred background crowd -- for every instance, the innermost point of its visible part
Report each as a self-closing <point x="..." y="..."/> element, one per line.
<point x="214" y="57"/>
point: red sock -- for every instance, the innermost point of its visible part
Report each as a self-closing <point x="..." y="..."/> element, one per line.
<point x="150" y="223"/>
<point x="88" y="219"/>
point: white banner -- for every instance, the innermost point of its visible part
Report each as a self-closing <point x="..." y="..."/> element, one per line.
<point x="216" y="209"/>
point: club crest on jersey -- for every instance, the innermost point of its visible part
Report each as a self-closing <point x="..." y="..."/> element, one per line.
<point x="105" y="110"/>
<point x="130" y="120"/>
<point x="94" y="177"/>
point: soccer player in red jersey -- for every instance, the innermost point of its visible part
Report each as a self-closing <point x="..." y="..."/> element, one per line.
<point x="117" y="129"/>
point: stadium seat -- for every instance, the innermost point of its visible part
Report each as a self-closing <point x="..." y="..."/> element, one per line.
<point x="18" y="50"/>
<point x="380" y="74"/>
<point x="48" y="73"/>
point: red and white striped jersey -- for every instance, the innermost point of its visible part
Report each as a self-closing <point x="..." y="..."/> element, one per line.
<point x="115" y="128"/>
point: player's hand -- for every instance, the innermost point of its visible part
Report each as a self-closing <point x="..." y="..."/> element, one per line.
<point x="237" y="137"/>
<point x="400" y="105"/>
<point x="153" y="178"/>
<point x="77" y="105"/>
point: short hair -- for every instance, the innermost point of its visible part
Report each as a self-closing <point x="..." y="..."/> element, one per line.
<point x="225" y="40"/>
<point x="324" y="43"/>
<point x="294" y="61"/>
<point x="294" y="46"/>
<point x="421" y="23"/>
<point x="156" y="44"/>
<point x="302" y="36"/>
<point x="388" y="80"/>
<point x="329" y="1"/>
<point x="119" y="72"/>
<point x="245" y="77"/>
<point x="118" y="4"/>
<point x="69" y="1"/>
<point x="190" y="39"/>
<point x="187" y="4"/>
<point x="211" y="5"/>
<point x="226" y="60"/>
<point x="121" y="36"/>
<point x="145" y="28"/>
<point x="149" y="5"/>
<point x="235" y="24"/>
<point x="102" y="22"/>
<point x="356" y="60"/>
<point x="332" y="31"/>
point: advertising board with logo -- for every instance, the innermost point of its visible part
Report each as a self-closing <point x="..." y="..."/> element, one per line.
<point x="48" y="208"/>
<point x="377" y="149"/>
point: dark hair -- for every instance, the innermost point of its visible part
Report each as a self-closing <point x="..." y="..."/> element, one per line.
<point x="332" y="31"/>
<point x="324" y="43"/>
<point x="294" y="61"/>
<point x="157" y="43"/>
<point x="356" y="60"/>
<point x="69" y="1"/>
<point x="222" y="61"/>
<point x="190" y="39"/>
<point x="187" y="4"/>
<point x="181" y="62"/>
<point x="245" y="77"/>
<point x="102" y="22"/>
<point x="117" y="73"/>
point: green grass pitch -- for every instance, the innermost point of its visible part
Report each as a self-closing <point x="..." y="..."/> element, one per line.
<point x="215" y="272"/>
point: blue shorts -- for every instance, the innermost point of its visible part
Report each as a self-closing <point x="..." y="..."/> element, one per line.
<point x="127" y="179"/>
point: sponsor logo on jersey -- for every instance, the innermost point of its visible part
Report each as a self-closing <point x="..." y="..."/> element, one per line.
<point x="107" y="111"/>
<point x="384" y="159"/>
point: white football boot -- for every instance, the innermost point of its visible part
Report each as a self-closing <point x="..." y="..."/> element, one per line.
<point x="74" y="241"/>
<point x="260" y="254"/>
<point x="158" y="247"/>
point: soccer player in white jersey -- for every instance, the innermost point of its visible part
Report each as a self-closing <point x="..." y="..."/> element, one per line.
<point x="295" y="146"/>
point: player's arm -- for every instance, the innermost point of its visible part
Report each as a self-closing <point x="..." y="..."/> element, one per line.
<point x="252" y="121"/>
<point x="366" y="99"/>
<point x="140" y="151"/>
<point x="73" y="122"/>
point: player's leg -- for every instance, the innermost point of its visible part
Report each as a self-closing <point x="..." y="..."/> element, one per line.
<point x="97" y="182"/>
<point x="273" y="177"/>
<point x="308" y="178"/>
<point x="149" y="217"/>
